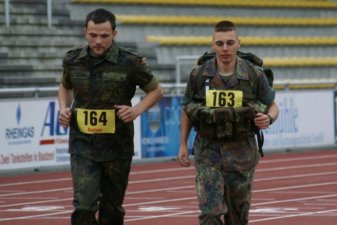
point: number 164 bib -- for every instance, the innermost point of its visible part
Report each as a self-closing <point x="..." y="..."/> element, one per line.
<point x="96" y="121"/>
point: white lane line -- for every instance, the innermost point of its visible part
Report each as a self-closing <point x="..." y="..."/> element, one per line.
<point x="171" y="189"/>
<point x="36" y="192"/>
<point x="294" y="176"/>
<point x="35" y="182"/>
<point x="294" y="215"/>
<point x="179" y="168"/>
<point x="160" y="179"/>
<point x="69" y="199"/>
<point x="296" y="167"/>
<point x="192" y="168"/>
<point x="295" y="199"/>
<point x="36" y="202"/>
<point x="298" y="158"/>
<point x="161" y="216"/>
<point x="161" y="201"/>
<point x="177" y="178"/>
<point x="180" y="177"/>
<point x="251" y="221"/>
<point x="173" y="200"/>
<point x="35" y="216"/>
<point x="295" y="186"/>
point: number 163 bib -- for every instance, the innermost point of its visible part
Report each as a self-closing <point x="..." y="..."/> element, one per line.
<point x="224" y="98"/>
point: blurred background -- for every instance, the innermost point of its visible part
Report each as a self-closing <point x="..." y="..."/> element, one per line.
<point x="297" y="39"/>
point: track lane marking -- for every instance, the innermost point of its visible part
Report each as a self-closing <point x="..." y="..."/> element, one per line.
<point x="293" y="215"/>
<point x="159" y="179"/>
<point x="261" y="179"/>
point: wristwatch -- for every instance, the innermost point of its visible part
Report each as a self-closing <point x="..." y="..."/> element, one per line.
<point x="271" y="120"/>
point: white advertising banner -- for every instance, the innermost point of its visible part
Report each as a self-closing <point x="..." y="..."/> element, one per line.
<point x="305" y="120"/>
<point x="31" y="136"/>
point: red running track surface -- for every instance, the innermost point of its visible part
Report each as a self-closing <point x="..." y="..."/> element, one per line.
<point x="289" y="188"/>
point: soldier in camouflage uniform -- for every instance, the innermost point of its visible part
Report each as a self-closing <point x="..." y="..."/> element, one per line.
<point x="227" y="99"/>
<point x="100" y="78"/>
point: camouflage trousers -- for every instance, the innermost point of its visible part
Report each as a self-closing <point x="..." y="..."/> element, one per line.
<point x="99" y="186"/>
<point x="224" y="197"/>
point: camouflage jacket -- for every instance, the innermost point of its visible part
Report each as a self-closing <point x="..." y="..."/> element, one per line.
<point x="100" y="83"/>
<point x="248" y="78"/>
<point x="237" y="152"/>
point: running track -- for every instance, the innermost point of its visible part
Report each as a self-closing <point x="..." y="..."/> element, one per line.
<point x="290" y="188"/>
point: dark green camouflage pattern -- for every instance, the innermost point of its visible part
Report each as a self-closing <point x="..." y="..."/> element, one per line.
<point x="225" y="165"/>
<point x="100" y="83"/>
<point x="217" y="123"/>
<point x="240" y="130"/>
<point x="103" y="182"/>
<point x="224" y="197"/>
<point x="258" y="107"/>
<point x="236" y="121"/>
<point x="248" y="78"/>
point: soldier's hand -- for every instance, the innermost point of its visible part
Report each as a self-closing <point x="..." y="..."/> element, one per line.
<point x="261" y="120"/>
<point x="183" y="156"/>
<point x="65" y="116"/>
<point x="125" y="113"/>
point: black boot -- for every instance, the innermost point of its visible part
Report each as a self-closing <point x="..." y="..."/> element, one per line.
<point x="108" y="216"/>
<point x="83" y="217"/>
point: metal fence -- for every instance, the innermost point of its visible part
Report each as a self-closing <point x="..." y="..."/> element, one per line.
<point x="175" y="88"/>
<point x="8" y="16"/>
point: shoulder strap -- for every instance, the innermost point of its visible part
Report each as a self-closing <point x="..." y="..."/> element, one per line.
<point x="244" y="55"/>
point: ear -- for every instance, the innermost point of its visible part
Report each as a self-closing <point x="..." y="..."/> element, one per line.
<point x="85" y="32"/>
<point x="212" y="45"/>
<point x="212" y="42"/>
<point x="114" y="33"/>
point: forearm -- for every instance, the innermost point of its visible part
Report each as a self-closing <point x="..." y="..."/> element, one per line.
<point x="185" y="128"/>
<point x="149" y="100"/>
<point x="273" y="111"/>
<point x="65" y="97"/>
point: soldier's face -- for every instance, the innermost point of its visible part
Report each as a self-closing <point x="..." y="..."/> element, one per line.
<point x="225" y="45"/>
<point x="99" y="37"/>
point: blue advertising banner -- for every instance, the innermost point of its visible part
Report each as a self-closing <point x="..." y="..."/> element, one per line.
<point x="160" y="129"/>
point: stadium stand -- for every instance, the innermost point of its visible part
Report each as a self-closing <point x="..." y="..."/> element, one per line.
<point x="169" y="47"/>
<point x="297" y="39"/>
<point x="210" y="20"/>
<point x="291" y="68"/>
<point x="257" y="40"/>
<point x="238" y="3"/>
<point x="31" y="52"/>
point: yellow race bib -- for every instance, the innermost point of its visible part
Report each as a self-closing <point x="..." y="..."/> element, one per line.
<point x="224" y="98"/>
<point x="96" y="121"/>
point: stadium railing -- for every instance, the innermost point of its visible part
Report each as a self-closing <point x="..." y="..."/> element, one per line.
<point x="241" y="3"/>
<point x="253" y="40"/>
<point x="49" y="12"/>
<point x="211" y="20"/>
<point x="169" y="89"/>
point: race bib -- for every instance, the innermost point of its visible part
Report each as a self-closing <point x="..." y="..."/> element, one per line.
<point x="96" y="121"/>
<point x="224" y="98"/>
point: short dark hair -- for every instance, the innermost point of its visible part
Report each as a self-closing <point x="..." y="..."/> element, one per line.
<point x="224" y="25"/>
<point x="101" y="15"/>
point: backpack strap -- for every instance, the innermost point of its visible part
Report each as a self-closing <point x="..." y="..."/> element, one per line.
<point x="244" y="55"/>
